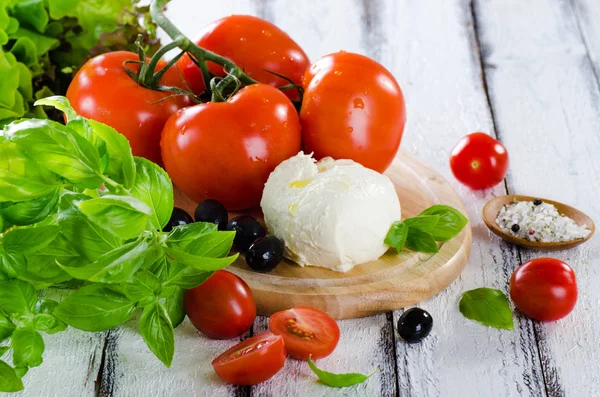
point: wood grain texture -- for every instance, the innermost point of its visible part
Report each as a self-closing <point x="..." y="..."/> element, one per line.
<point x="546" y="102"/>
<point x="492" y="208"/>
<point x="391" y="282"/>
<point x="430" y="46"/>
<point x="587" y="13"/>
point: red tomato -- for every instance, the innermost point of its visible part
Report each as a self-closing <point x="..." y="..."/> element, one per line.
<point x="306" y="332"/>
<point x="353" y="108"/>
<point x="103" y="91"/>
<point x="254" y="45"/>
<point x="226" y="150"/>
<point x="222" y="307"/>
<point x="544" y="289"/>
<point x="252" y="361"/>
<point x="479" y="161"/>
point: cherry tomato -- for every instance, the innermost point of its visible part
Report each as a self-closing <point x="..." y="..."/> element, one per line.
<point x="544" y="289"/>
<point x="222" y="307"/>
<point x="253" y="44"/>
<point x="252" y="361"/>
<point x="353" y="108"/>
<point x="225" y="151"/>
<point x="103" y="91"/>
<point x="479" y="161"/>
<point x="306" y="332"/>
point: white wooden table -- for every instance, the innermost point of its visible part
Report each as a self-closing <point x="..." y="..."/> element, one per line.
<point x="525" y="71"/>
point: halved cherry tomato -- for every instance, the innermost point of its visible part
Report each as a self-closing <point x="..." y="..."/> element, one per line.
<point x="306" y="332"/>
<point x="544" y="289"/>
<point x="353" y="108"/>
<point x="479" y="161"/>
<point x="222" y="307"/>
<point x="225" y="151"/>
<point x="252" y="361"/>
<point x="103" y="91"/>
<point x="255" y="45"/>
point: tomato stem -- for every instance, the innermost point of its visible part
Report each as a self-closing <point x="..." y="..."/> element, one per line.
<point x="202" y="55"/>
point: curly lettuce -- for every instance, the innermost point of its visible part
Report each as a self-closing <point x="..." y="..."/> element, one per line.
<point x="43" y="42"/>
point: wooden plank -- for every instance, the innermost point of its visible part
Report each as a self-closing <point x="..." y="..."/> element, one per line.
<point x="588" y="14"/>
<point x="430" y="47"/>
<point x="547" y="106"/>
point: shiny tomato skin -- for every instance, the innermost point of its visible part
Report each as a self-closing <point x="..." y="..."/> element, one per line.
<point x="222" y="307"/>
<point x="544" y="289"/>
<point x="254" y="45"/>
<point x="225" y="151"/>
<point x="306" y="332"/>
<point x="479" y="161"/>
<point x="103" y="91"/>
<point x="252" y="361"/>
<point x="353" y="108"/>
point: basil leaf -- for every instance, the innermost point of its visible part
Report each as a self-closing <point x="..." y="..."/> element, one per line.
<point x="200" y="262"/>
<point x="13" y="264"/>
<point x="59" y="149"/>
<point x="451" y="222"/>
<point x="6" y="327"/>
<point x="338" y="380"/>
<point x="17" y="296"/>
<point x="487" y="306"/>
<point x="9" y="381"/>
<point x="213" y="245"/>
<point x="29" y="239"/>
<point x="396" y="236"/>
<point x="30" y="211"/>
<point x="420" y="241"/>
<point x="95" y="308"/>
<point x="157" y="330"/>
<point x="182" y="236"/>
<point x="3" y="350"/>
<point x="144" y="284"/>
<point x="185" y="276"/>
<point x="88" y="239"/>
<point x="28" y="347"/>
<point x="173" y="304"/>
<point x="21" y="178"/>
<point x="59" y="102"/>
<point x="123" y="216"/>
<point x="48" y="323"/>
<point x="116" y="266"/>
<point x="425" y="223"/>
<point x="153" y="187"/>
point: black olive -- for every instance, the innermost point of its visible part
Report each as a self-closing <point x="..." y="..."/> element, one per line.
<point x="247" y="230"/>
<point x="213" y="212"/>
<point x="515" y="228"/>
<point x="265" y="254"/>
<point x="537" y="202"/>
<point x="414" y="325"/>
<point x="178" y="217"/>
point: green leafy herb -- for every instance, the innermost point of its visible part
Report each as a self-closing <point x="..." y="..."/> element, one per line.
<point x="87" y="215"/>
<point x="421" y="233"/>
<point x="157" y="330"/>
<point x="338" y="380"/>
<point x="487" y="306"/>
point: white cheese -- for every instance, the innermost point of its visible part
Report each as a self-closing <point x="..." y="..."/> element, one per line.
<point x="333" y="214"/>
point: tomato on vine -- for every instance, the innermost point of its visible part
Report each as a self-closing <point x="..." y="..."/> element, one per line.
<point x="353" y="108"/>
<point x="102" y="90"/>
<point x="255" y="45"/>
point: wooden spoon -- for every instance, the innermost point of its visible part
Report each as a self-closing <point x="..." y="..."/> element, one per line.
<point x="492" y="208"/>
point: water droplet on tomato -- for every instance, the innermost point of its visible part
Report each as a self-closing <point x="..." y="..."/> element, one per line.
<point x="350" y="130"/>
<point x="358" y="103"/>
<point x="266" y="32"/>
<point x="342" y="51"/>
<point x="242" y="39"/>
<point x="337" y="73"/>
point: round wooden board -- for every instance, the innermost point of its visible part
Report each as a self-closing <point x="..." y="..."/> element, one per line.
<point x="392" y="282"/>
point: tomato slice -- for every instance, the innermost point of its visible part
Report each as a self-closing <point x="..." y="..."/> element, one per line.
<point x="306" y="332"/>
<point x="252" y="361"/>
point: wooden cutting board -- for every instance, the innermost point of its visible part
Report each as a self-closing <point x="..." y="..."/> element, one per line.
<point x="392" y="282"/>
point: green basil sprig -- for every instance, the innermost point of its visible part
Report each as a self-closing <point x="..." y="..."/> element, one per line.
<point x="78" y="210"/>
<point x="422" y="233"/>
<point x="339" y="380"/>
<point x="487" y="306"/>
